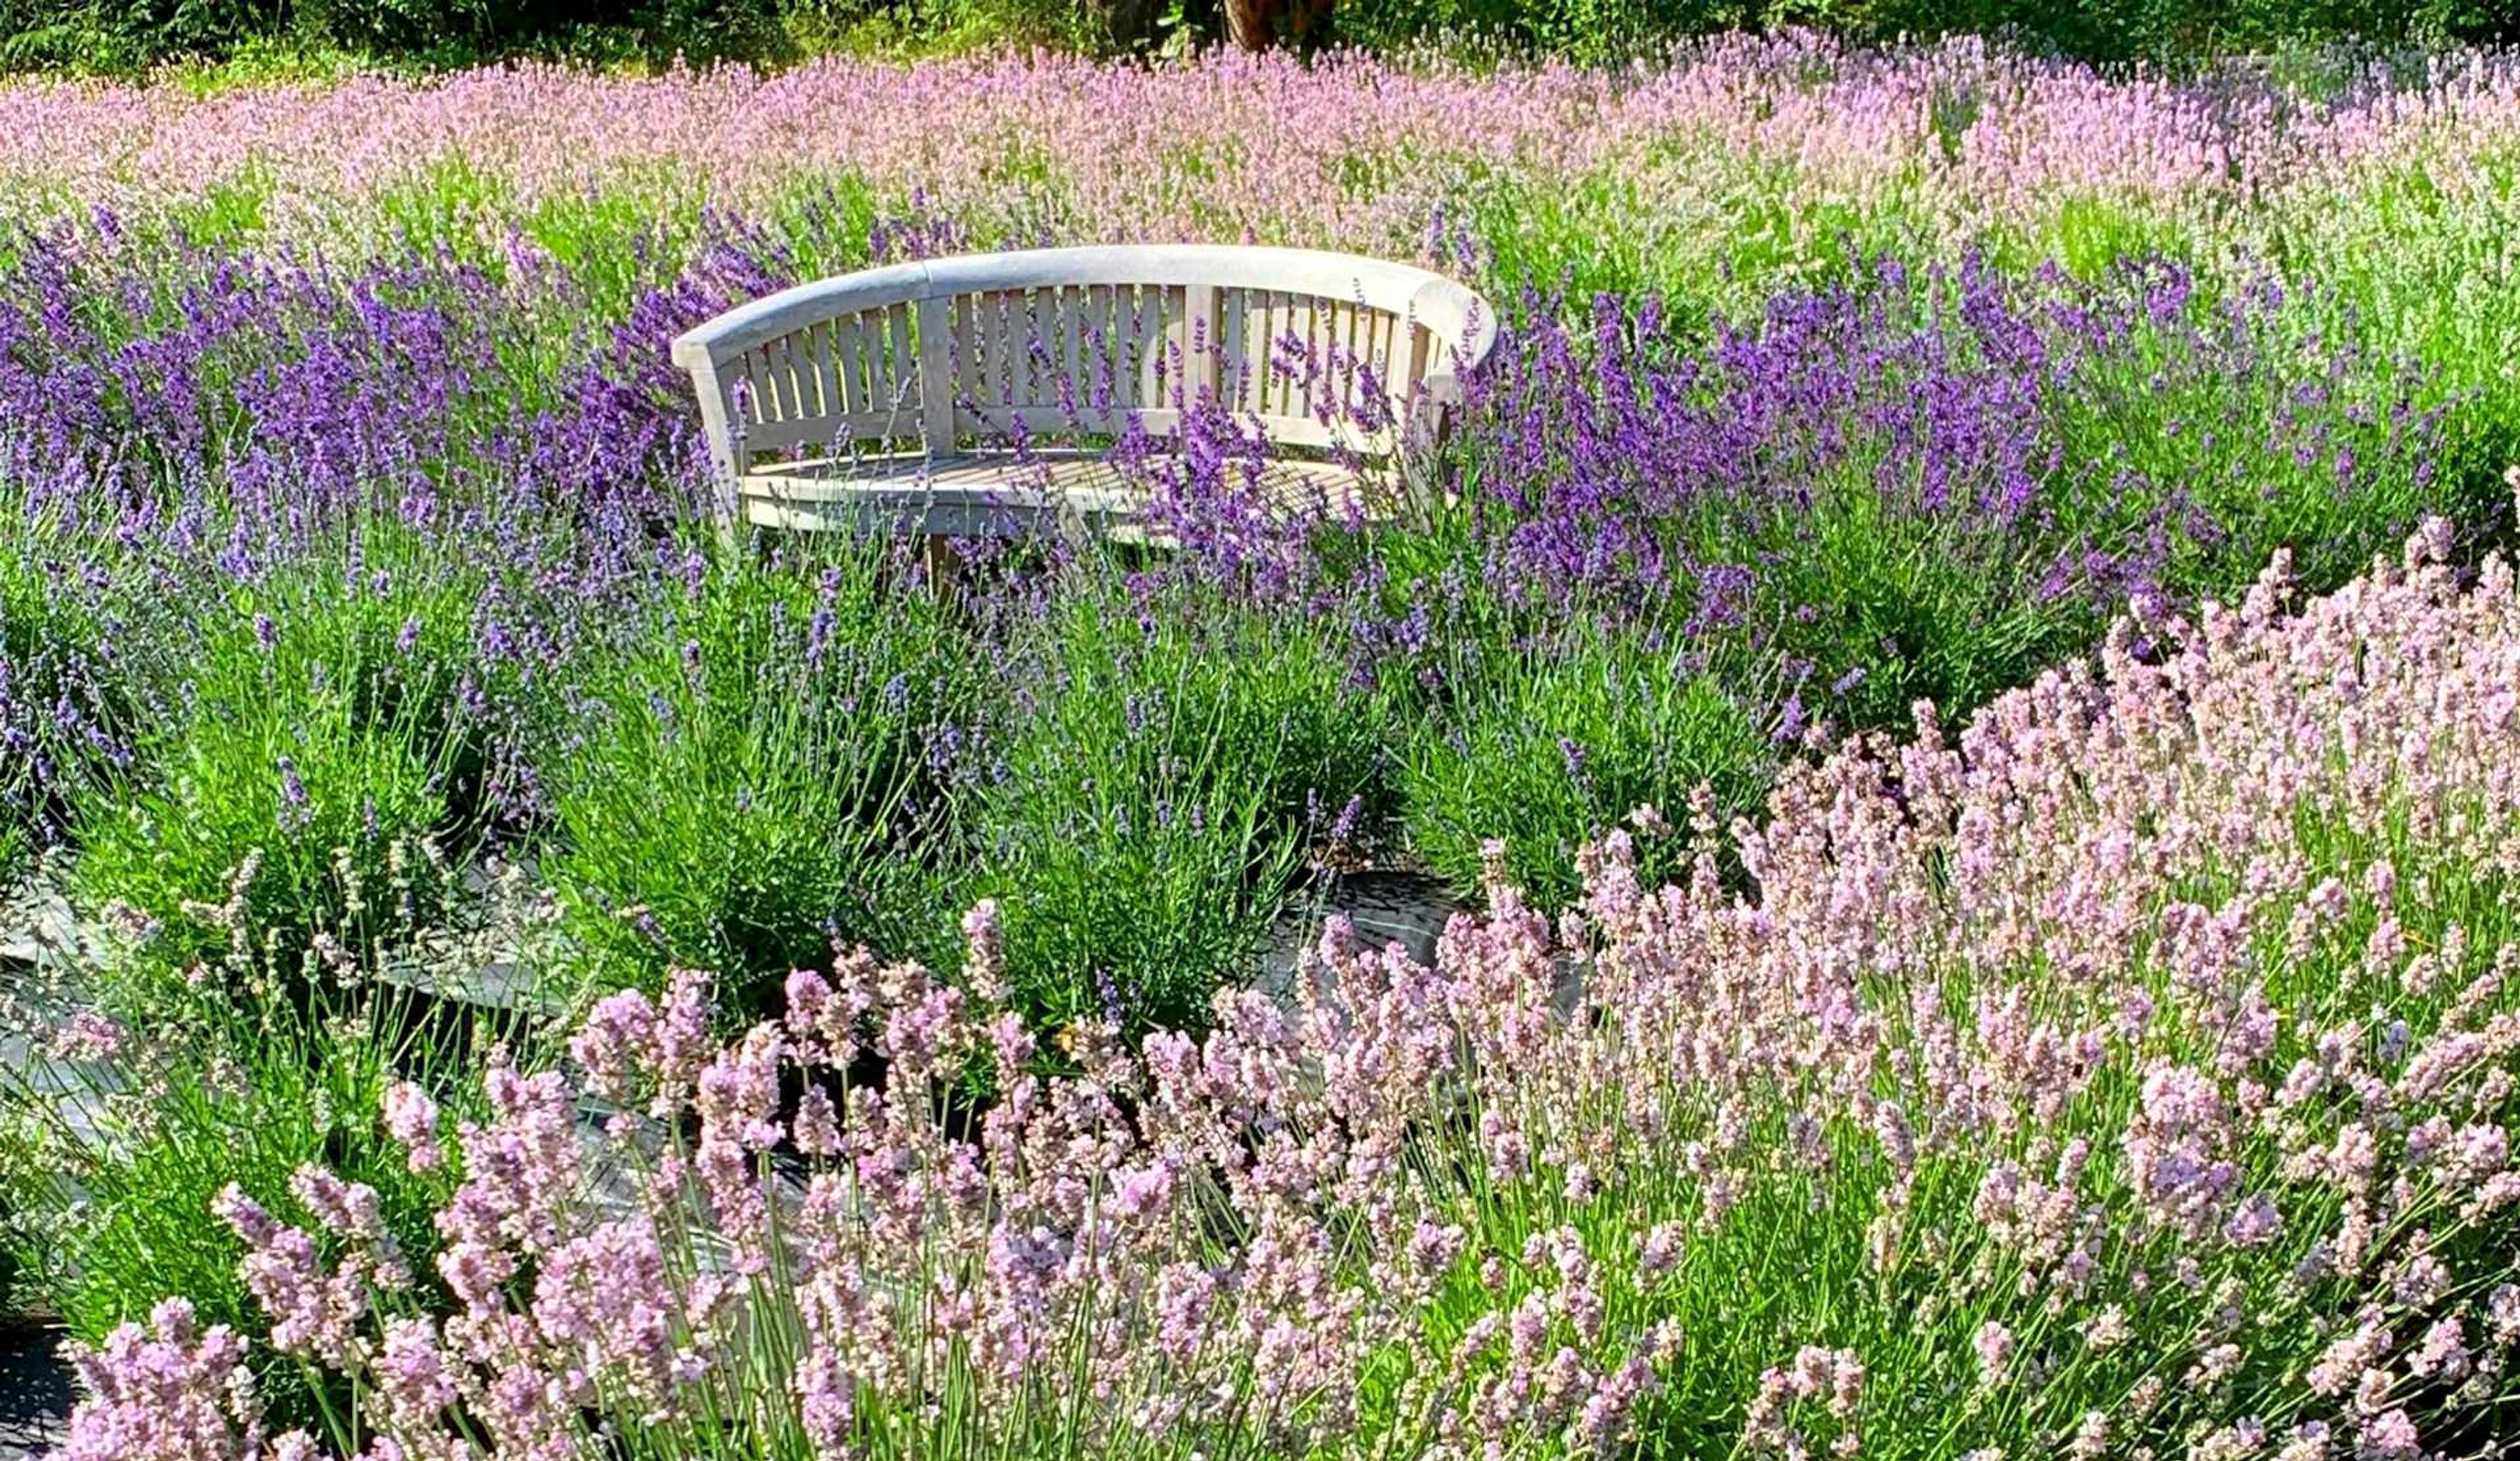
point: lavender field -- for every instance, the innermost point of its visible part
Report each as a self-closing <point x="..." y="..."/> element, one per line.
<point x="1958" y="697"/>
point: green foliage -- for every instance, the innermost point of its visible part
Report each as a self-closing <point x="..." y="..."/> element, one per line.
<point x="756" y="784"/>
<point x="1163" y="784"/>
<point x="326" y="732"/>
<point x="256" y="39"/>
<point x="2162" y="31"/>
<point x="131" y="35"/>
<point x="947" y="26"/>
<point x="1551" y="742"/>
<point x="60" y="701"/>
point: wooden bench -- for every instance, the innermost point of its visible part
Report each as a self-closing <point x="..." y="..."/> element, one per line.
<point x="984" y="394"/>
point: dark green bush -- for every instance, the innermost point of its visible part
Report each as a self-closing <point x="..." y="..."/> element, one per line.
<point x="128" y="36"/>
<point x="2165" y="30"/>
<point x="103" y="35"/>
<point x="132" y="35"/>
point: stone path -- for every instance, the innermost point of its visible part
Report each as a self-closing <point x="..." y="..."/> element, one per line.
<point x="40" y="941"/>
<point x="35" y="1391"/>
<point x="1387" y="907"/>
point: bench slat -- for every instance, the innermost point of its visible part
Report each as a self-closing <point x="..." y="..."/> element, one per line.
<point x="814" y="359"/>
<point x="783" y="376"/>
<point x="1202" y="343"/>
<point x="753" y="374"/>
<point x="1230" y="388"/>
<point x="767" y="381"/>
<point x="1004" y="367"/>
<point x="867" y="370"/>
<point x="1068" y="358"/>
<point x="937" y="426"/>
<point x="848" y="364"/>
<point x="901" y="379"/>
<point x="865" y="427"/>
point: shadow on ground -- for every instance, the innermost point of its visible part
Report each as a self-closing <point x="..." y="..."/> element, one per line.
<point x="34" y="1390"/>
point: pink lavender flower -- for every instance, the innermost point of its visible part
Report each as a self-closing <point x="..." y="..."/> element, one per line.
<point x="411" y="1118"/>
<point x="352" y="1212"/>
<point x="167" y="1392"/>
<point x="807" y="993"/>
<point x="2390" y="1437"/>
<point x="313" y="1311"/>
<point x="1997" y="1003"/>
<point x="411" y="1373"/>
<point x="1659" y="1252"/>
<point x="816" y="1127"/>
<point x="825" y="1405"/>
<point x="615" y="1041"/>
<point x="90" y="1035"/>
<point x="1993" y="1343"/>
<point x="986" y="942"/>
<point x="737" y="1093"/>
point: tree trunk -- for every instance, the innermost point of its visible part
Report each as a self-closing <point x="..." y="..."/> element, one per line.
<point x="1258" y="25"/>
<point x="1251" y="24"/>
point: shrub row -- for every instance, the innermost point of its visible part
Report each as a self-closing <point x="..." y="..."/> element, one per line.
<point x="131" y="35"/>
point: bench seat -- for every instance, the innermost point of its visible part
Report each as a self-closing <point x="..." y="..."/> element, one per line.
<point x="1003" y="494"/>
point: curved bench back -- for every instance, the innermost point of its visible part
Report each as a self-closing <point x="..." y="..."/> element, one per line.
<point x="1327" y="349"/>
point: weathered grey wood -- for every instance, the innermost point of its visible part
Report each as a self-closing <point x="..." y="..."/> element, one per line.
<point x="937" y="375"/>
<point x="967" y="347"/>
<point x="725" y="495"/>
<point x="1233" y="349"/>
<point x="870" y="426"/>
<point x="982" y="343"/>
<point x="993" y="494"/>
<point x="901" y="374"/>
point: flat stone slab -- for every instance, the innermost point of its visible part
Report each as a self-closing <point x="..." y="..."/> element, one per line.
<point x="39" y="932"/>
<point x="35" y="1390"/>
<point x="1386" y="907"/>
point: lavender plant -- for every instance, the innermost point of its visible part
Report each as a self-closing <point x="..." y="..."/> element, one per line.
<point x="1168" y="761"/>
<point x="2132" y="1072"/>
<point x="334" y="720"/>
<point x="2133" y="1069"/>
<point x="1558" y="738"/>
<point x="769" y="768"/>
<point x="63" y="720"/>
<point x="262" y="1069"/>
